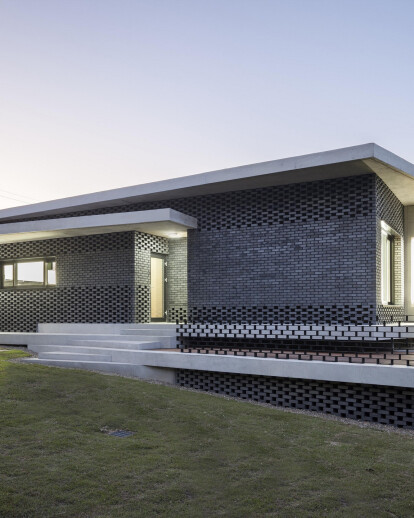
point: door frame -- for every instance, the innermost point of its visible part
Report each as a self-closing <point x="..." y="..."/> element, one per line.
<point x="164" y="286"/>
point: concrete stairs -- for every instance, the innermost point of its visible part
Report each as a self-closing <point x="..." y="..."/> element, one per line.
<point x="108" y="352"/>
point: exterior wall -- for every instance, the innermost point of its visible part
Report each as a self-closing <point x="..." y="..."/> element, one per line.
<point x="94" y="282"/>
<point x="306" y="252"/>
<point x="294" y="253"/>
<point x="390" y="210"/>
<point x="177" y="280"/>
<point x="100" y="279"/>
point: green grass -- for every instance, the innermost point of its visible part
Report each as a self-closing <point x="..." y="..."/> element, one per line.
<point x="191" y="455"/>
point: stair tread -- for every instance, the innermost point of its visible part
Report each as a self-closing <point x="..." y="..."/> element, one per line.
<point x="117" y="342"/>
<point x="104" y="349"/>
<point x="39" y="360"/>
<point x="73" y="353"/>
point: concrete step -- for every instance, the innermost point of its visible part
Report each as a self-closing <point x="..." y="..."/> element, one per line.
<point x="82" y="349"/>
<point x="118" y="344"/>
<point x="130" y="356"/>
<point x="161" y="339"/>
<point x="133" y="339"/>
<point x="149" y="331"/>
<point x="65" y="338"/>
<point x="124" y="369"/>
<point x="155" y="325"/>
<point x="77" y="356"/>
<point x="100" y="328"/>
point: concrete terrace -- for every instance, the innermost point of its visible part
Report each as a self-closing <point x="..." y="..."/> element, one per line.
<point x="151" y="351"/>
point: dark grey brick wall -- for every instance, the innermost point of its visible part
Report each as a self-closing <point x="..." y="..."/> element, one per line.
<point x="177" y="280"/>
<point x="302" y="252"/>
<point x="94" y="282"/>
<point x="390" y="210"/>
<point x="294" y="253"/>
<point x="102" y="278"/>
<point x="374" y="403"/>
<point x="301" y="272"/>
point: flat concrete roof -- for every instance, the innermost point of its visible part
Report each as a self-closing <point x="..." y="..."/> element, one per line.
<point x="396" y="172"/>
<point x="160" y="222"/>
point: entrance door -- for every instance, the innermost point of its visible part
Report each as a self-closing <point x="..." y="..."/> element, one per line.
<point x="157" y="288"/>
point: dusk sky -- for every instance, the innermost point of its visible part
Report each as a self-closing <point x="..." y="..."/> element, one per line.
<point x="98" y="94"/>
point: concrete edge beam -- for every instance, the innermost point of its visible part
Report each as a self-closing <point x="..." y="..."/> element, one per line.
<point x="396" y="376"/>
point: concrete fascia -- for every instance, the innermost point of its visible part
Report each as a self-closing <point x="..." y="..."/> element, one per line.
<point x="394" y="376"/>
<point x="296" y="169"/>
<point x="161" y="222"/>
<point x="177" y="187"/>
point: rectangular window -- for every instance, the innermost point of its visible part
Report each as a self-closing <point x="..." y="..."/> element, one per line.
<point x="8" y="275"/>
<point x="29" y="273"/>
<point x="387" y="265"/>
<point x="51" y="273"/>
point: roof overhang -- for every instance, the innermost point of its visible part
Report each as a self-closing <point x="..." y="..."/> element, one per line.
<point x="397" y="173"/>
<point x="160" y="222"/>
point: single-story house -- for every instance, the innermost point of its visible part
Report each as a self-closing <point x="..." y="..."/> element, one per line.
<point x="325" y="239"/>
<point x="316" y="238"/>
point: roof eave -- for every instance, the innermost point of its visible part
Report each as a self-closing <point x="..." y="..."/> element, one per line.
<point x="302" y="168"/>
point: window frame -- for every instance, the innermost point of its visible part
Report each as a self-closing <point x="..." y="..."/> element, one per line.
<point x="390" y="236"/>
<point x="15" y="262"/>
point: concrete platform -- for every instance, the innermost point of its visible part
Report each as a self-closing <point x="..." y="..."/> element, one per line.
<point x="141" y="350"/>
<point x="397" y="376"/>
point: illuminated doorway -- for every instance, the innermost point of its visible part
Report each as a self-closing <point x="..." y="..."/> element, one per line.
<point x="158" y="280"/>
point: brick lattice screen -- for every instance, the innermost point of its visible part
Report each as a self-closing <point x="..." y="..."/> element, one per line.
<point x="374" y="403"/>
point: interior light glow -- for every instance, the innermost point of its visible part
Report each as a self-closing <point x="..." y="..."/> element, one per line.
<point x="384" y="226"/>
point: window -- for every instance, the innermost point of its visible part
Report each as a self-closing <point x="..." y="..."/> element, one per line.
<point x="29" y="273"/>
<point x="8" y="275"/>
<point x="387" y="264"/>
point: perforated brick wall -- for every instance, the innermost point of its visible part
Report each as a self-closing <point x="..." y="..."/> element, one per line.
<point x="293" y="253"/>
<point x="94" y="282"/>
<point x="374" y="403"/>
<point x="177" y="280"/>
<point x="390" y="210"/>
<point x="100" y="279"/>
<point x="302" y="252"/>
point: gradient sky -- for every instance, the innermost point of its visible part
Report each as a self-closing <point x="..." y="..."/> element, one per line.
<point x="97" y="94"/>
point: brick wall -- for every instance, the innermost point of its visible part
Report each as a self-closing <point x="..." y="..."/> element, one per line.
<point x="177" y="280"/>
<point x="294" y="253"/>
<point x="390" y="210"/>
<point x="101" y="278"/>
<point x="374" y="403"/>
<point x="94" y="282"/>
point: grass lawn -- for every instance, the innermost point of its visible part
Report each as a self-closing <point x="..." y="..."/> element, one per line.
<point x="191" y="454"/>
